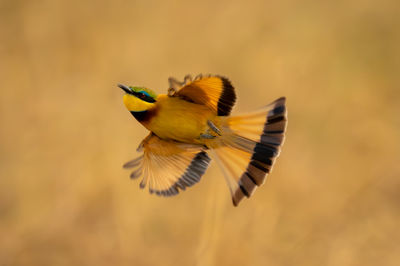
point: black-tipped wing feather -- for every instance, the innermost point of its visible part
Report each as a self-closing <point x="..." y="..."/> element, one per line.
<point x="168" y="167"/>
<point x="215" y="92"/>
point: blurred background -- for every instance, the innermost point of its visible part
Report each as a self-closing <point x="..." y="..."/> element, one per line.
<point x="332" y="199"/>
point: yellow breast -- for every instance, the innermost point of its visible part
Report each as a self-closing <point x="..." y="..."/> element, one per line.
<point x="179" y="119"/>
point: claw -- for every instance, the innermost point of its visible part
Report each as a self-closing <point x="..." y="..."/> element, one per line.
<point x="214" y="127"/>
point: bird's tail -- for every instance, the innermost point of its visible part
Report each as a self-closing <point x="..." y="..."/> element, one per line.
<point x="252" y="142"/>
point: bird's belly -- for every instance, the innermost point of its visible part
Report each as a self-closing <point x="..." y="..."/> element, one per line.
<point x="182" y="127"/>
<point x="181" y="123"/>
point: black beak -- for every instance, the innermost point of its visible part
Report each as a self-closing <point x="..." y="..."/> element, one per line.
<point x="125" y="88"/>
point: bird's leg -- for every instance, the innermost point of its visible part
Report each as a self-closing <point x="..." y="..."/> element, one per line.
<point x="214" y="127"/>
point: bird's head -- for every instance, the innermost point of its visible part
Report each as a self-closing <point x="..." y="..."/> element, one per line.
<point x="138" y="99"/>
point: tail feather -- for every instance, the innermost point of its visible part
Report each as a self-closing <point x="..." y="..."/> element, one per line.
<point x="232" y="162"/>
<point x="258" y="138"/>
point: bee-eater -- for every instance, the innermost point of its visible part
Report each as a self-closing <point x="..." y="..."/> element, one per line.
<point x="192" y="122"/>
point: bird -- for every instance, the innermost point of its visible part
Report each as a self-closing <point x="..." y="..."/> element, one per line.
<point x="191" y="125"/>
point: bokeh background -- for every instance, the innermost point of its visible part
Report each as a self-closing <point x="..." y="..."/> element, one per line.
<point x="332" y="199"/>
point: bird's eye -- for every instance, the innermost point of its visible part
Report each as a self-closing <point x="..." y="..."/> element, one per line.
<point x="142" y="96"/>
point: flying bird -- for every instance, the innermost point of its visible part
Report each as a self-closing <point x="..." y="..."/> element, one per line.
<point x="192" y="123"/>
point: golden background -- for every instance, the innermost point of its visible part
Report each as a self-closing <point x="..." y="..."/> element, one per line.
<point x="332" y="199"/>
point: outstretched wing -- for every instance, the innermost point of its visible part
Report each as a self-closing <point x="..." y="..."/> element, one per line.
<point x="216" y="92"/>
<point x="168" y="166"/>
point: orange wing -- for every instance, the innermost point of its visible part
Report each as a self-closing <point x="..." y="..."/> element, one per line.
<point x="216" y="92"/>
<point x="167" y="166"/>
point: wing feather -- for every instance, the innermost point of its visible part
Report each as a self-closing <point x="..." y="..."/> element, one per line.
<point x="215" y="92"/>
<point x="167" y="166"/>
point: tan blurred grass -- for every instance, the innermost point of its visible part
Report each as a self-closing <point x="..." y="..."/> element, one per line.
<point x="332" y="199"/>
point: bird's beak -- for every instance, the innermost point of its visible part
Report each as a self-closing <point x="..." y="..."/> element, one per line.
<point x="125" y="88"/>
